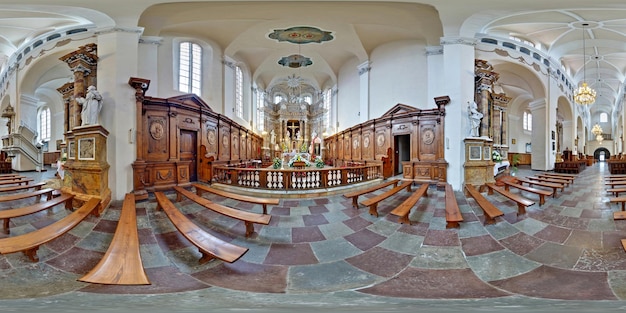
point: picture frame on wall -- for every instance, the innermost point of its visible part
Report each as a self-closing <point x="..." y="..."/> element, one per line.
<point x="528" y="148"/>
<point x="87" y="148"/>
<point x="487" y="153"/>
<point x="71" y="152"/>
<point x="475" y="153"/>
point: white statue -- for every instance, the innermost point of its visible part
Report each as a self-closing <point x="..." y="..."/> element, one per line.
<point x="272" y="136"/>
<point x="475" y="118"/>
<point x="92" y="104"/>
<point x="298" y="135"/>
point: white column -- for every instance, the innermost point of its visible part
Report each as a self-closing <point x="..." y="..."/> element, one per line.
<point x="118" y="59"/>
<point x="436" y="77"/>
<point x="458" y="74"/>
<point x="541" y="136"/>
<point x="364" y="91"/>
<point x="229" y="87"/>
<point x="148" y="64"/>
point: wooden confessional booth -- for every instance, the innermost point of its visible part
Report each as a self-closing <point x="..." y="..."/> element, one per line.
<point x="180" y="139"/>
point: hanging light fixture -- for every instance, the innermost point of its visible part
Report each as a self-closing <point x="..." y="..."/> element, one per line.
<point x="597" y="130"/>
<point x="584" y="95"/>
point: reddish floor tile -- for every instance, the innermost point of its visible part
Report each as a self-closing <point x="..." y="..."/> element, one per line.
<point x="365" y="239"/>
<point x="246" y="276"/>
<point x="381" y="262"/>
<point x="436" y="237"/>
<point x="163" y="280"/>
<point x="314" y="220"/>
<point x="290" y="254"/>
<point x="521" y="243"/>
<point x="480" y="245"/>
<point x="553" y="233"/>
<point x="306" y="234"/>
<point x="76" y="260"/>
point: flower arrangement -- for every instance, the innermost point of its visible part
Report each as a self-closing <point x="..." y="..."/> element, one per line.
<point x="496" y="157"/>
<point x="298" y="158"/>
<point x="303" y="147"/>
<point x="277" y="163"/>
<point x="319" y="163"/>
<point x="64" y="157"/>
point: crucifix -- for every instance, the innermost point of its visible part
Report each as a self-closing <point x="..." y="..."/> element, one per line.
<point x="293" y="128"/>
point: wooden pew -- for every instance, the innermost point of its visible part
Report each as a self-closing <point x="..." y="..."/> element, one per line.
<point x="615" y="178"/>
<point x="121" y="264"/>
<point x="616" y="183"/>
<point x="490" y="210"/>
<point x="453" y="213"/>
<point x="7" y="215"/>
<point x="531" y="183"/>
<point x="621" y="200"/>
<point x="540" y="192"/>
<point x="11" y="177"/>
<point x="36" y="186"/>
<point x="619" y="215"/>
<point x="248" y="218"/>
<point x="616" y="191"/>
<point x="544" y="179"/>
<point x="29" y="194"/>
<point x="372" y="203"/>
<point x="262" y="201"/>
<point x="29" y="243"/>
<point x="355" y="194"/>
<point x="24" y="180"/>
<point x="561" y="174"/>
<point x="549" y="175"/>
<point x="624" y="244"/>
<point x="522" y="203"/>
<point x="210" y="246"/>
<point x="404" y="208"/>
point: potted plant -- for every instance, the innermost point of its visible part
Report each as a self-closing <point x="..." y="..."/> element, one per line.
<point x="514" y="164"/>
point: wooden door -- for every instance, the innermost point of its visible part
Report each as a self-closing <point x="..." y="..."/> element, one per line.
<point x="188" y="151"/>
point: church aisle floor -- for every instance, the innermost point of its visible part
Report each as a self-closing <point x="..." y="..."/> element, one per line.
<point x="322" y="254"/>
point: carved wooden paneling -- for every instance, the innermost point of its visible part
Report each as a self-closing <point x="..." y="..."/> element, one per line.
<point x="402" y="128"/>
<point x="428" y="141"/>
<point x="356" y="145"/>
<point x="243" y="147"/>
<point x="188" y="122"/>
<point x="211" y="140"/>
<point x="235" y="141"/>
<point x="347" y="147"/>
<point x="157" y="137"/>
<point x="382" y="140"/>
<point x="340" y="150"/>
<point x="368" y="145"/>
<point x="224" y="143"/>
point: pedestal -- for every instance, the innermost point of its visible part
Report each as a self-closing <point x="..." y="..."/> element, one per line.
<point x="478" y="165"/>
<point x="86" y="168"/>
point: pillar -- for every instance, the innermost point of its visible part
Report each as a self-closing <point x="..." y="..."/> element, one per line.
<point x="541" y="145"/>
<point x="364" y="91"/>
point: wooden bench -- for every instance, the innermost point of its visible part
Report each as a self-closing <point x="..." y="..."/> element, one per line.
<point x="404" y="208"/>
<point x="616" y="183"/>
<point x="619" y="215"/>
<point x="210" y="246"/>
<point x="121" y="264"/>
<point x="453" y="213"/>
<point x="372" y="203"/>
<point x="262" y="201"/>
<point x="531" y="183"/>
<point x="355" y="194"/>
<point x="29" y="243"/>
<point x="616" y="178"/>
<point x="7" y="215"/>
<point x="522" y="203"/>
<point x="36" y="186"/>
<point x="11" y="177"/>
<point x="548" y="175"/>
<point x="621" y="200"/>
<point x="545" y="179"/>
<point x="490" y="210"/>
<point x="24" y="180"/>
<point x="540" y="192"/>
<point x="29" y="194"/>
<point x="624" y="244"/>
<point x="616" y="191"/>
<point x="561" y="174"/>
<point x="248" y="218"/>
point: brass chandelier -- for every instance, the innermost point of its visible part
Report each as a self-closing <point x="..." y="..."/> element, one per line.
<point x="584" y="95"/>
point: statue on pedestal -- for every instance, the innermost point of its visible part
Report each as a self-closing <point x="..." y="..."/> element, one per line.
<point x="475" y="118"/>
<point x="92" y="104"/>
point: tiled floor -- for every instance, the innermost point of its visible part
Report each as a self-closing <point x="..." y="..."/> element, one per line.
<point x="320" y="253"/>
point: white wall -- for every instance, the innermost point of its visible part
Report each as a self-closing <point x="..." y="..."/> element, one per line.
<point x="399" y="74"/>
<point x="348" y="95"/>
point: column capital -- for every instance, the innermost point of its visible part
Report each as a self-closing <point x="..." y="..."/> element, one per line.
<point x="434" y="50"/>
<point x="457" y="40"/>
<point x="364" y="67"/>
<point x="118" y="29"/>
<point x="151" y="40"/>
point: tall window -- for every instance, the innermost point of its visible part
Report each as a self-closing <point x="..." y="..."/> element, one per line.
<point x="528" y="121"/>
<point x="327" y="99"/>
<point x="238" y="92"/>
<point x="604" y="118"/>
<point x="44" y="124"/>
<point x="189" y="67"/>
<point x="260" y="104"/>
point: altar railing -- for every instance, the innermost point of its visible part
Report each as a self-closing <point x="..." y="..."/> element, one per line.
<point x="295" y="179"/>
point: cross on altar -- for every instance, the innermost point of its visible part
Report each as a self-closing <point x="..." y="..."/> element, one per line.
<point x="294" y="126"/>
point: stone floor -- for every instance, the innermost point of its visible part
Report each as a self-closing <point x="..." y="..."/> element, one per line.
<point x="321" y="254"/>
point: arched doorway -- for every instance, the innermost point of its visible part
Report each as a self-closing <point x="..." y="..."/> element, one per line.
<point x="601" y="154"/>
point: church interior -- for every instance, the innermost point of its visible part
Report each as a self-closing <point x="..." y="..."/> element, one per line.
<point x="270" y="156"/>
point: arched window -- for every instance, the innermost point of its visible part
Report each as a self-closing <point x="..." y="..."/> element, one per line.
<point x="189" y="67"/>
<point x="44" y="124"/>
<point x="238" y="92"/>
<point x="528" y="121"/>
<point x="604" y="118"/>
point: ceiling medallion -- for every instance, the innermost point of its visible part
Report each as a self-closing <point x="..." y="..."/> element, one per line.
<point x="295" y="61"/>
<point x="301" y="35"/>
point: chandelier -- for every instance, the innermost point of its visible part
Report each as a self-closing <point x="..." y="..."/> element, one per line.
<point x="597" y="130"/>
<point x="584" y="95"/>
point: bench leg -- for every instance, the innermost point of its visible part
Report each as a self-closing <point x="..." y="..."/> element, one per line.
<point x="623" y="205"/>
<point x="68" y="205"/>
<point x="489" y="220"/>
<point x="542" y="200"/>
<point x="205" y="257"/>
<point x="404" y="219"/>
<point x="355" y="202"/>
<point x="521" y="209"/>
<point x="6" y="226"/>
<point x="179" y="197"/>
<point x="264" y="208"/>
<point x="554" y="193"/>
<point x="373" y="209"/>
<point x="249" y="228"/>
<point x="32" y="254"/>
<point x="451" y="224"/>
<point x="199" y="192"/>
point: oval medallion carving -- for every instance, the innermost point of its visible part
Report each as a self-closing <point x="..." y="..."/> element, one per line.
<point x="380" y="140"/>
<point x="157" y="130"/>
<point x="225" y="141"/>
<point x="211" y="137"/>
<point x="428" y="136"/>
<point x="366" y="142"/>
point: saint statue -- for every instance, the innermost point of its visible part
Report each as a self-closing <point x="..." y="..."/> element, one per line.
<point x="475" y="118"/>
<point x="272" y="136"/>
<point x="92" y="104"/>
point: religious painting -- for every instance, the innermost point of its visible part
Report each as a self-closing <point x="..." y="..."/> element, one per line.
<point x="87" y="148"/>
<point x="487" y="153"/>
<point x="475" y="153"/>
<point x="71" y="150"/>
<point x="59" y="142"/>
